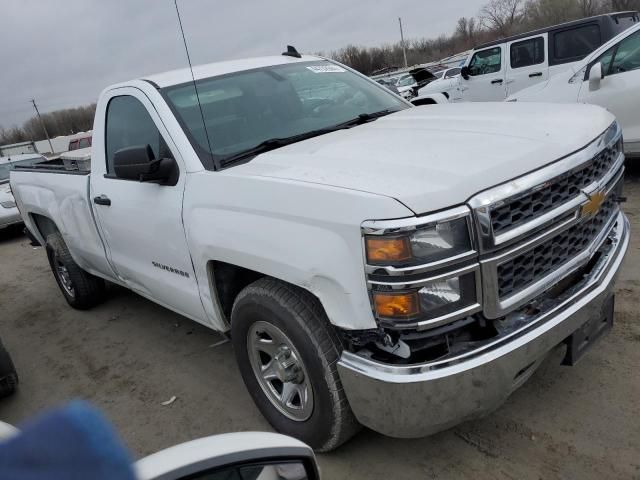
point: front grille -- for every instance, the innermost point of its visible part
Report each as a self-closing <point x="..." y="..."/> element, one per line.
<point x="557" y="191"/>
<point x="525" y="269"/>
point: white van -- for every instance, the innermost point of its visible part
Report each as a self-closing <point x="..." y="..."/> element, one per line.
<point x="497" y="69"/>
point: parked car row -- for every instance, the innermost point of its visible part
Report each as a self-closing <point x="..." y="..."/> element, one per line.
<point x="9" y="214"/>
<point x="497" y="69"/>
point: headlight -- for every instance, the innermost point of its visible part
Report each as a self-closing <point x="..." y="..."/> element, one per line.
<point x="431" y="302"/>
<point x="8" y="204"/>
<point x="442" y="240"/>
<point x="422" y="272"/>
<point x="428" y="243"/>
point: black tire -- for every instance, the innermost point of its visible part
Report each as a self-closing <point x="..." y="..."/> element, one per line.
<point x="8" y="374"/>
<point x="299" y="315"/>
<point x="83" y="290"/>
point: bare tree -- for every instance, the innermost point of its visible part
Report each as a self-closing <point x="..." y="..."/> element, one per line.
<point x="466" y="31"/>
<point x="589" y="8"/>
<point x="502" y="16"/>
<point x="621" y="5"/>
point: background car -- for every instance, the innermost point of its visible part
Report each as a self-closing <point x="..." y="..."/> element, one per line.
<point x="9" y="214"/>
<point x="609" y="77"/>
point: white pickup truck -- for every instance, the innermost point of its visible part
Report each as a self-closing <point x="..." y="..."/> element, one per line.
<point x="378" y="264"/>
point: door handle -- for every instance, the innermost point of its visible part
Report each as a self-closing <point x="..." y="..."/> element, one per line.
<point x="496" y="81"/>
<point x="102" y="200"/>
<point x="536" y="74"/>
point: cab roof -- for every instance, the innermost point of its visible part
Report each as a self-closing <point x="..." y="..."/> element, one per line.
<point x="605" y="17"/>
<point x="183" y="75"/>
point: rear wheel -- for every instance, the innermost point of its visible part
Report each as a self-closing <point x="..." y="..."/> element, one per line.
<point x="287" y="353"/>
<point x="81" y="290"/>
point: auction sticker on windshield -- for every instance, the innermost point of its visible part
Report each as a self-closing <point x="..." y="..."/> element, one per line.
<point x="326" y="69"/>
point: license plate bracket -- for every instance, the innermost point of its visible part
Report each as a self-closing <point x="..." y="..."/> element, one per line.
<point x="585" y="336"/>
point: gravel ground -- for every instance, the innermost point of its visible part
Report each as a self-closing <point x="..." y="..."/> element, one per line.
<point x="129" y="355"/>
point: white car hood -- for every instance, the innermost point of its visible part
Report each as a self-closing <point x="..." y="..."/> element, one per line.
<point x="5" y="193"/>
<point x="437" y="156"/>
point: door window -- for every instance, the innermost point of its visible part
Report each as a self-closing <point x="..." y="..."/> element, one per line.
<point x="627" y="55"/>
<point x="485" y="62"/>
<point x="575" y="44"/>
<point x="527" y="52"/>
<point x="130" y="125"/>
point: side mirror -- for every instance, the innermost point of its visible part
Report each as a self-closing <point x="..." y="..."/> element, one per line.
<point x="139" y="163"/>
<point x="233" y="455"/>
<point x="595" y="76"/>
<point x="465" y="72"/>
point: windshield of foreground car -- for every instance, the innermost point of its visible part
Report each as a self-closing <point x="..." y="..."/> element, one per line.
<point x="246" y="109"/>
<point x="5" y="168"/>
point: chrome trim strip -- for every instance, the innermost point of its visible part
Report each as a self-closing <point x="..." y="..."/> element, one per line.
<point x="494" y="197"/>
<point x="395" y="271"/>
<point x="543" y="236"/>
<point x="423" y="281"/>
<point x="439" y="321"/>
<point x="409" y="224"/>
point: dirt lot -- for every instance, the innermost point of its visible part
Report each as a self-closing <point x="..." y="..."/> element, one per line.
<point x="129" y="355"/>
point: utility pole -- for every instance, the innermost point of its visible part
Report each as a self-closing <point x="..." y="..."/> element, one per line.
<point x="404" y="50"/>
<point x="42" y="124"/>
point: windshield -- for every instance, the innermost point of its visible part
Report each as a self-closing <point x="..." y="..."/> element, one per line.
<point x="5" y="168"/>
<point x="244" y="109"/>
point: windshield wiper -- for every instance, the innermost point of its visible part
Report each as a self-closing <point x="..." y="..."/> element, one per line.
<point x="273" y="143"/>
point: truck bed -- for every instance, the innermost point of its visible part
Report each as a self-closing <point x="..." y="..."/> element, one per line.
<point x="62" y="201"/>
<point x="55" y="165"/>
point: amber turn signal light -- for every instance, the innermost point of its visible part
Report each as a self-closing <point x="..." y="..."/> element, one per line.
<point x="388" y="249"/>
<point x="396" y="304"/>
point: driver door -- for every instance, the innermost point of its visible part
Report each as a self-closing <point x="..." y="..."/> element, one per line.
<point x="486" y="82"/>
<point x="141" y="222"/>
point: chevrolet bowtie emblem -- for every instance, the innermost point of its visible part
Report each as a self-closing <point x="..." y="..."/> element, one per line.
<point x="592" y="207"/>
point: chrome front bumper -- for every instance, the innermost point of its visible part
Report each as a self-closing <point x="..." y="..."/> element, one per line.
<point x="411" y="401"/>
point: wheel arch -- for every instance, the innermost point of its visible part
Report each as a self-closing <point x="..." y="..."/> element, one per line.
<point x="227" y="280"/>
<point x="42" y="226"/>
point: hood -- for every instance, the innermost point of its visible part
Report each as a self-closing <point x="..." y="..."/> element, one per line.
<point x="5" y="192"/>
<point x="437" y="156"/>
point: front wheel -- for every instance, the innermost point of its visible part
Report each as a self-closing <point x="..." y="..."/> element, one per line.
<point x="287" y="353"/>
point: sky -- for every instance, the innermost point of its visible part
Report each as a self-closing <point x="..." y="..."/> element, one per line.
<point x="64" y="52"/>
